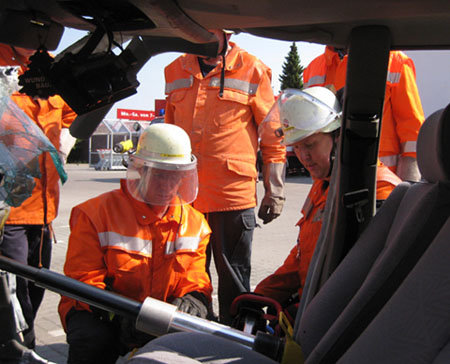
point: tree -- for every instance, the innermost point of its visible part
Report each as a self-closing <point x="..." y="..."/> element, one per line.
<point x="292" y="76"/>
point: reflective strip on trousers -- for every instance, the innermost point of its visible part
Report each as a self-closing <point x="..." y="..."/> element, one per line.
<point x="131" y="243"/>
<point x="235" y="84"/>
<point x="182" y="243"/>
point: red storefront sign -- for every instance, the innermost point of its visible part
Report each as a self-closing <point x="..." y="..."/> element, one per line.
<point x="129" y="114"/>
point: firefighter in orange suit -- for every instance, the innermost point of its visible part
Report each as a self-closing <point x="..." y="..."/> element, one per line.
<point x="27" y="235"/>
<point x="220" y="102"/>
<point x="311" y="124"/>
<point x="141" y="240"/>
<point x="402" y="115"/>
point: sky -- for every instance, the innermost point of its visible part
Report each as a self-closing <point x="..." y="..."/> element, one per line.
<point x="151" y="77"/>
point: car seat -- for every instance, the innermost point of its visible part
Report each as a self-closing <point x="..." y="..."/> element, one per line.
<point x="353" y="295"/>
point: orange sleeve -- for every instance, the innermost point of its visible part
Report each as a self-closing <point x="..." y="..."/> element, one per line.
<point x="271" y="148"/>
<point x="68" y="116"/>
<point x="311" y="70"/>
<point x="284" y="282"/>
<point x="84" y="260"/>
<point x="407" y="107"/>
<point x="194" y="277"/>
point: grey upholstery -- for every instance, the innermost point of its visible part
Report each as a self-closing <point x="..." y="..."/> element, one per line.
<point x="433" y="147"/>
<point x="415" y="324"/>
<point x="339" y="303"/>
<point x="190" y="348"/>
<point x="335" y="295"/>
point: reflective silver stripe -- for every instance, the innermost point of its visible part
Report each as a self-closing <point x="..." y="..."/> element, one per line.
<point x="316" y="80"/>
<point x="393" y="77"/>
<point x="409" y="147"/>
<point x="113" y="239"/>
<point x="235" y="84"/>
<point x="182" y="243"/>
<point x="180" y="83"/>
<point x="389" y="160"/>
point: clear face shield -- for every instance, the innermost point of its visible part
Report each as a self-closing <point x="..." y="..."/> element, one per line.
<point x="297" y="114"/>
<point x="162" y="184"/>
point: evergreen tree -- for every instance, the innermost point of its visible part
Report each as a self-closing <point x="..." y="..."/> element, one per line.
<point x="292" y="76"/>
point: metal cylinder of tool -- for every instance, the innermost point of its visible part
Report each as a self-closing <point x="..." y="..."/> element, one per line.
<point x="158" y="318"/>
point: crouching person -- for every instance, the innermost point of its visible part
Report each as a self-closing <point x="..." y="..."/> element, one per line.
<point x="141" y="240"/>
<point x="310" y="121"/>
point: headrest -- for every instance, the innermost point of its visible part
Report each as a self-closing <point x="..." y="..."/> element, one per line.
<point x="433" y="147"/>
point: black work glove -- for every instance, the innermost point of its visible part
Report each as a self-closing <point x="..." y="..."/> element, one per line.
<point x="193" y="303"/>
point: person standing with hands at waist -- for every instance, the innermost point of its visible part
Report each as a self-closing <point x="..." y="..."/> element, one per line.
<point x="220" y="102"/>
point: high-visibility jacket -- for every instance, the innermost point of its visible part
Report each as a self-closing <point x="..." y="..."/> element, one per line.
<point x="51" y="116"/>
<point x="223" y="130"/>
<point x="117" y="241"/>
<point x="290" y="277"/>
<point x="402" y="114"/>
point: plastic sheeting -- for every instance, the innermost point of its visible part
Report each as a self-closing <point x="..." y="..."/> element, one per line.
<point x="21" y="143"/>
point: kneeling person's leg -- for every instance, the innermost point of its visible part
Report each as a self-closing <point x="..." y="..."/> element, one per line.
<point x="90" y="339"/>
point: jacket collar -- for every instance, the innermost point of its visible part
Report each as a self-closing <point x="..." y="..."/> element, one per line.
<point x="146" y="216"/>
<point x="233" y="62"/>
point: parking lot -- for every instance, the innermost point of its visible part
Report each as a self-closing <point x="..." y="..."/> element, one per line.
<point x="271" y="243"/>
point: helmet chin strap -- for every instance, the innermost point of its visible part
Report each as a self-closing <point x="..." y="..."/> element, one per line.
<point x="222" y="72"/>
<point x="334" y="135"/>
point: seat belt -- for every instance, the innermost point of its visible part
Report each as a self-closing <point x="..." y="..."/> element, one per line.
<point x="356" y="161"/>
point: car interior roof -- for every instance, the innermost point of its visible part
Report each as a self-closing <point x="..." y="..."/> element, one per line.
<point x="413" y="24"/>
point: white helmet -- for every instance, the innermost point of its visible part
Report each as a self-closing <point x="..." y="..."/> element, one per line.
<point x="163" y="171"/>
<point x="300" y="114"/>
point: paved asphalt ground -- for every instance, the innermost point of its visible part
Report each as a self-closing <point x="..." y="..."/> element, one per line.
<point x="271" y="244"/>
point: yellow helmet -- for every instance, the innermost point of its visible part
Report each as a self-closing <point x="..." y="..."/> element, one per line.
<point x="165" y="143"/>
<point x="163" y="171"/>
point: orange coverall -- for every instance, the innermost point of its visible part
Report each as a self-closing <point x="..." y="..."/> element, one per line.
<point x="291" y="276"/>
<point x="402" y="114"/>
<point x="51" y="116"/>
<point x="223" y="131"/>
<point x="117" y="239"/>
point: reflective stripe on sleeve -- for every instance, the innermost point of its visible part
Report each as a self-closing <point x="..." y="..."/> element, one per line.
<point x="114" y="240"/>
<point x="235" y="84"/>
<point x="182" y="243"/>
<point x="409" y="147"/>
<point x="178" y="84"/>
<point x="393" y="77"/>
<point x="389" y="160"/>
<point x="315" y="81"/>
